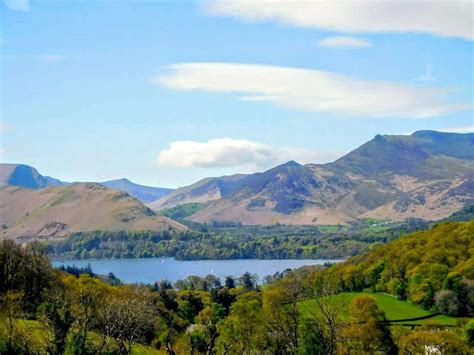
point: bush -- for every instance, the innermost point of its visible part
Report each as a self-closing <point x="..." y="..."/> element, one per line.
<point x="447" y="302"/>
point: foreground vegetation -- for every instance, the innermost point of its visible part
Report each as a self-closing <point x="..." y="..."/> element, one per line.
<point x="299" y="312"/>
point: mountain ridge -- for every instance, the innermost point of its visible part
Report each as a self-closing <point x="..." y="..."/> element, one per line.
<point x="388" y="177"/>
<point x="26" y="176"/>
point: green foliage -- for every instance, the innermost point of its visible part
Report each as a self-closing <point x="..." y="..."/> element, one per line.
<point x="232" y="241"/>
<point x="183" y="211"/>
<point x="415" y="267"/>
<point x="299" y="312"/>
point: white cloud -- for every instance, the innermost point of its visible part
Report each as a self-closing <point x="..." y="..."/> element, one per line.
<point x="311" y="90"/>
<point x="427" y="76"/>
<point x="49" y="58"/>
<point x="465" y="129"/>
<point x="344" y="42"/>
<point x="446" y="18"/>
<point x="18" y="5"/>
<point x="228" y="152"/>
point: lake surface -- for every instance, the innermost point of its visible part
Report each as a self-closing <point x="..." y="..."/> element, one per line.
<point x="149" y="270"/>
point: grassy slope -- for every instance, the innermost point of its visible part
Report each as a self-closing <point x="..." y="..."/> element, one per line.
<point x="394" y="308"/>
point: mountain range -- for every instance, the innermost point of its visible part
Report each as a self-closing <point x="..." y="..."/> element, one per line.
<point x="427" y="175"/>
<point x="22" y="175"/>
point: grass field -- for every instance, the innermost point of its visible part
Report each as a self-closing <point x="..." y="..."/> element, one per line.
<point x="394" y="308"/>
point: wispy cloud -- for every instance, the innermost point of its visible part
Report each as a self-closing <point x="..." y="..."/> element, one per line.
<point x="49" y="58"/>
<point x="427" y="76"/>
<point x="18" y="5"/>
<point x="228" y="152"/>
<point x="446" y="18"/>
<point x="344" y="42"/>
<point x="312" y="90"/>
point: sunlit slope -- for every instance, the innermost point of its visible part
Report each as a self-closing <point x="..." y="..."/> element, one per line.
<point x="58" y="211"/>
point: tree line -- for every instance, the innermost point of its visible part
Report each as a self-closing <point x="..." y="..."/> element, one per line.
<point x="230" y="241"/>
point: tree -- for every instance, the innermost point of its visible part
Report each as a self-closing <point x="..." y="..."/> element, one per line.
<point x="56" y="313"/>
<point x="367" y="332"/>
<point x="208" y="318"/>
<point x="248" y="281"/>
<point x="242" y="331"/>
<point x="127" y="317"/>
<point x="87" y="295"/>
<point x="322" y="326"/>
<point x="27" y="270"/>
<point x="229" y="282"/>
<point x="447" y="302"/>
<point x="16" y="339"/>
<point x="282" y="314"/>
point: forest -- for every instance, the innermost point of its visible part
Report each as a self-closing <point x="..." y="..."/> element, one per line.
<point x="233" y="241"/>
<point x="303" y="311"/>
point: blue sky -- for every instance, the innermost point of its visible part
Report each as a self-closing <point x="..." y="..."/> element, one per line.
<point x="166" y="93"/>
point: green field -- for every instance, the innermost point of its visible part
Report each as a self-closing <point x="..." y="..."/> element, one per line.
<point x="394" y="308"/>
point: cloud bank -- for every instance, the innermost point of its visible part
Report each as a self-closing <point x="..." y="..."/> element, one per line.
<point x="446" y="18"/>
<point x="344" y="42"/>
<point x="228" y="152"/>
<point x="312" y="90"/>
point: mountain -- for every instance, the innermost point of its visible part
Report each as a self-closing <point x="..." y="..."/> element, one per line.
<point x="428" y="175"/>
<point x="142" y="193"/>
<point x="57" y="211"/>
<point x="28" y="177"/>
<point x="25" y="176"/>
<point x="203" y="191"/>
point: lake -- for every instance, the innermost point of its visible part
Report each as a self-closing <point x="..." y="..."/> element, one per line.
<point x="149" y="270"/>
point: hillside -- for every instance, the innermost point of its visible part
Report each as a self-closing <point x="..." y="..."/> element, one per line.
<point x="142" y="193"/>
<point x="426" y="175"/>
<point x="203" y="191"/>
<point x="58" y="211"/>
<point x="419" y="267"/>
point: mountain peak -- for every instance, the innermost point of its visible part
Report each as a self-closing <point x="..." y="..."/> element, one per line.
<point x="290" y="164"/>
<point x="23" y="175"/>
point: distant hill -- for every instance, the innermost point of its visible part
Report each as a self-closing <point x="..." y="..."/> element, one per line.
<point x="25" y="176"/>
<point x="57" y="211"/>
<point x="143" y="193"/>
<point x="427" y="175"/>
<point x="203" y="191"/>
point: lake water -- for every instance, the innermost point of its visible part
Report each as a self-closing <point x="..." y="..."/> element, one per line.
<point x="149" y="270"/>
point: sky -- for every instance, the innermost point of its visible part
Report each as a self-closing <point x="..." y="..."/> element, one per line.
<point x="165" y="93"/>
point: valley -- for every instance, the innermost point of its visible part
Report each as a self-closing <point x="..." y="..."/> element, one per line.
<point x="389" y="186"/>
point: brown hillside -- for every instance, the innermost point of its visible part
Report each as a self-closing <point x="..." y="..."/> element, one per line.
<point x="57" y="211"/>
